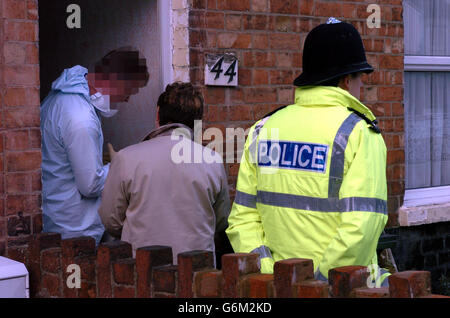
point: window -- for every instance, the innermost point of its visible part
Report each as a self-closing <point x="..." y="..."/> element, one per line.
<point x="427" y="101"/>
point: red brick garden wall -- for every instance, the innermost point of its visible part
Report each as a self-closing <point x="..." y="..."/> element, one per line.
<point x="110" y="271"/>
<point x="20" y="146"/>
<point x="267" y="37"/>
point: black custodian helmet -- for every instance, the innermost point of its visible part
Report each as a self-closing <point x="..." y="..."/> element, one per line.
<point x="332" y="50"/>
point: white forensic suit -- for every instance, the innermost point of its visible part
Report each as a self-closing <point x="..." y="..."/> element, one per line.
<point x="73" y="174"/>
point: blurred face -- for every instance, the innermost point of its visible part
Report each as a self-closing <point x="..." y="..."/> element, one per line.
<point x="352" y="84"/>
<point x="115" y="85"/>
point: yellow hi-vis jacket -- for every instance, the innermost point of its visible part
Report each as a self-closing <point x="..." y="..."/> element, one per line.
<point x="312" y="184"/>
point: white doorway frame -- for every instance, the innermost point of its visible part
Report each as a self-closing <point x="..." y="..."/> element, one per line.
<point x="166" y="36"/>
<point x="173" y="16"/>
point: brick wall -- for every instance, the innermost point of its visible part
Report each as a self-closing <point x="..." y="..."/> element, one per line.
<point x="268" y="35"/>
<point x="20" y="154"/>
<point x="110" y="271"/>
<point x="424" y="247"/>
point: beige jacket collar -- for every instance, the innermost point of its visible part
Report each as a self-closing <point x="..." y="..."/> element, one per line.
<point x="167" y="130"/>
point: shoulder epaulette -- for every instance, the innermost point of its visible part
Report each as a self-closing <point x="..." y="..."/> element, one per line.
<point x="373" y="124"/>
<point x="274" y="111"/>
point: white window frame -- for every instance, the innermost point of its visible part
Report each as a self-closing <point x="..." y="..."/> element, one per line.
<point x="173" y="22"/>
<point x="426" y="196"/>
<point x="415" y="63"/>
<point x="430" y="195"/>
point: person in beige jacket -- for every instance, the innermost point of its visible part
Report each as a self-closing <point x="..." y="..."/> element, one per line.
<point x="156" y="193"/>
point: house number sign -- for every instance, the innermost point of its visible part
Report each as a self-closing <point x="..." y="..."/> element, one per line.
<point x="221" y="70"/>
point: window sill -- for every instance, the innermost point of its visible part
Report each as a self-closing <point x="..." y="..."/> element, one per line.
<point x="427" y="63"/>
<point x="425" y="214"/>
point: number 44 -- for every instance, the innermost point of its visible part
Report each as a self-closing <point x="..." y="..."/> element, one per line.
<point x="230" y="72"/>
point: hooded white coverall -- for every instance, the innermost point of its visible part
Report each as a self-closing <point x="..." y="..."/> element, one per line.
<point x="73" y="174"/>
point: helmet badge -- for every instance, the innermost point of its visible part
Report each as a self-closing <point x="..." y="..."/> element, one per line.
<point x="333" y="21"/>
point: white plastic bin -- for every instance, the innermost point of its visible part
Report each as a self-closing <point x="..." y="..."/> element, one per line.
<point x="14" y="279"/>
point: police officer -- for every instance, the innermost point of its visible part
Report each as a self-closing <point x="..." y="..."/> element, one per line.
<point x="312" y="179"/>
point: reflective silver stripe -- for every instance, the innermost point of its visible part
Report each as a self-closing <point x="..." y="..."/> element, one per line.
<point x="363" y="204"/>
<point x="252" y="147"/>
<point x="263" y="251"/>
<point x="322" y="205"/>
<point x="338" y="155"/>
<point x="245" y="199"/>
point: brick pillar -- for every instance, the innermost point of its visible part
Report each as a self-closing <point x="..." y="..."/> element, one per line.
<point x="410" y="284"/>
<point x="291" y="271"/>
<point x="165" y="281"/>
<point x="257" y="286"/>
<point x="20" y="148"/>
<point x="208" y="284"/>
<point x="18" y="249"/>
<point x="124" y="278"/>
<point x="51" y="273"/>
<point x="188" y="264"/>
<point x="311" y="288"/>
<point x="39" y="243"/>
<point x="234" y="268"/>
<point x="146" y="259"/>
<point x="106" y="254"/>
<point x="79" y="251"/>
<point x="344" y="279"/>
<point x="87" y="265"/>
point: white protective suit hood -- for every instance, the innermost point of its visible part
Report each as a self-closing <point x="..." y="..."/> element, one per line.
<point x="73" y="80"/>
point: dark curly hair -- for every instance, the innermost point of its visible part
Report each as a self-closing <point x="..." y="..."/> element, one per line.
<point x="180" y="103"/>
